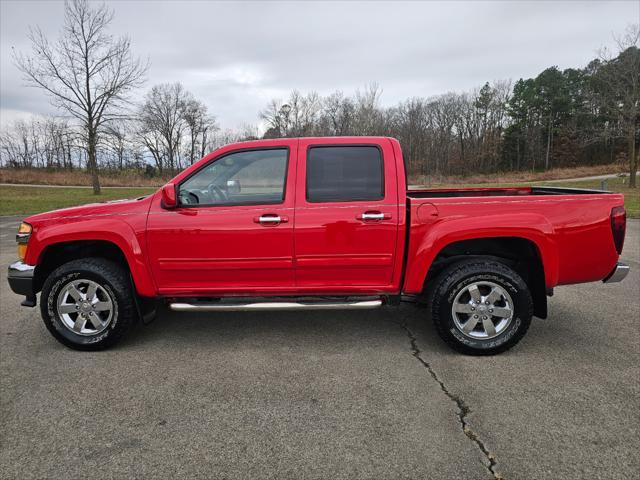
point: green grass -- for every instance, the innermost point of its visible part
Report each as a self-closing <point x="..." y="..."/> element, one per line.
<point x="631" y="195"/>
<point x="29" y="200"/>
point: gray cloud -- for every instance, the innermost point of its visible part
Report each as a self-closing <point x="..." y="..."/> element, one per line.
<point x="235" y="56"/>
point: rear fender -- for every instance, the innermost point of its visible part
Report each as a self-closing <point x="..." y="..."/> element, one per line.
<point x="430" y="239"/>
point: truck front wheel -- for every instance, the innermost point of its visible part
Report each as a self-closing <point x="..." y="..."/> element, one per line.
<point x="480" y="307"/>
<point x="88" y="304"/>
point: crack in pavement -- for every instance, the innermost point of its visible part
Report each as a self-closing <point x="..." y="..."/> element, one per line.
<point x="463" y="408"/>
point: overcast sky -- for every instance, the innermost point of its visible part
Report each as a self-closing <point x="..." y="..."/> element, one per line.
<point x="237" y="56"/>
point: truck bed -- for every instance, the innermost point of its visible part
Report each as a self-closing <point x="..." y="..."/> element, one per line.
<point x="570" y="228"/>
<point x="497" y="192"/>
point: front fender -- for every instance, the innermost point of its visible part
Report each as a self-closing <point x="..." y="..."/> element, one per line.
<point x="427" y="240"/>
<point x="110" y="229"/>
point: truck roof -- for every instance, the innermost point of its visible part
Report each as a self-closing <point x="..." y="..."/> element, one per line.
<point x="327" y="139"/>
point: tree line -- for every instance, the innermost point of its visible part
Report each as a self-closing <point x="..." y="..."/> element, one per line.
<point x="560" y="118"/>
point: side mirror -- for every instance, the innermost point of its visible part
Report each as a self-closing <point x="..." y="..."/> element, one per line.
<point x="169" y="198"/>
<point x="233" y="186"/>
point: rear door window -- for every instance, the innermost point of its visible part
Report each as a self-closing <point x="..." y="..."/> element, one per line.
<point x="344" y="173"/>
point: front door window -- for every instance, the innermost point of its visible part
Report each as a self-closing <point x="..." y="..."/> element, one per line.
<point x="254" y="177"/>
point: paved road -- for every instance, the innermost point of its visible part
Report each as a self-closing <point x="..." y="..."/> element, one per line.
<point x="326" y="395"/>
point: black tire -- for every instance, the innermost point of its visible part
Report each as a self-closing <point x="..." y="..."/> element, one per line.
<point x="454" y="280"/>
<point x="114" y="281"/>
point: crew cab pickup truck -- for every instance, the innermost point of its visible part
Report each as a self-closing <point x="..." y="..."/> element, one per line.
<point x="317" y="223"/>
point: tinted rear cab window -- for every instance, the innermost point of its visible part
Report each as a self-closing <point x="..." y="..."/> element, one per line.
<point x="341" y="174"/>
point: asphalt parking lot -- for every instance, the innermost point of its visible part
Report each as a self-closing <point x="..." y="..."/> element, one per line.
<point x="326" y="395"/>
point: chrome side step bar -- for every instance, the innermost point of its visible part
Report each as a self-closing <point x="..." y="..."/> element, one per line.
<point x="257" y="306"/>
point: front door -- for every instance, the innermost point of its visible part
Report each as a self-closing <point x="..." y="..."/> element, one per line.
<point x="233" y="228"/>
<point x="346" y="215"/>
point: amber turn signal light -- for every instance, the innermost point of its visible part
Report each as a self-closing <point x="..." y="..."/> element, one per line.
<point x="24" y="228"/>
<point x="22" y="251"/>
<point x="24" y="232"/>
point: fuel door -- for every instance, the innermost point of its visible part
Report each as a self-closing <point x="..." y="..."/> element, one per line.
<point x="427" y="213"/>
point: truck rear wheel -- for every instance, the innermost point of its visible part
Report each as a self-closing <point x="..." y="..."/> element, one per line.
<point x="88" y="304"/>
<point x="480" y="307"/>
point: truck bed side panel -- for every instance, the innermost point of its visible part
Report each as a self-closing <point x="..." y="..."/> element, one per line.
<point x="572" y="233"/>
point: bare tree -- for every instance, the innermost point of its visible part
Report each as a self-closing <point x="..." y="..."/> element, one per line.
<point x="276" y="116"/>
<point x="173" y="126"/>
<point x="199" y="125"/>
<point x="368" y="116"/>
<point x="152" y="140"/>
<point x="337" y="115"/>
<point x="219" y="138"/>
<point x="43" y="142"/>
<point x="297" y="117"/>
<point x="86" y="72"/>
<point x="208" y="130"/>
<point x="15" y="142"/>
<point x="162" y="117"/>
<point x="117" y="142"/>
<point x="618" y="80"/>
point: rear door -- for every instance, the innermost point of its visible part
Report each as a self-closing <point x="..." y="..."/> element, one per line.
<point x="346" y="215"/>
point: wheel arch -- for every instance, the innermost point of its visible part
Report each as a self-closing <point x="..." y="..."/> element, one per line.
<point x="54" y="252"/>
<point x="522" y="254"/>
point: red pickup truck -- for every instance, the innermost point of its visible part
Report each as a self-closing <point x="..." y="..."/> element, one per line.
<point x="317" y="223"/>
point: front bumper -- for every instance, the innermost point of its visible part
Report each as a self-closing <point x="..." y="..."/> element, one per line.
<point x="20" y="279"/>
<point x="617" y="274"/>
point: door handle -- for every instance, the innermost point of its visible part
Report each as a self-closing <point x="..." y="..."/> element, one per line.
<point x="373" y="216"/>
<point x="271" y="219"/>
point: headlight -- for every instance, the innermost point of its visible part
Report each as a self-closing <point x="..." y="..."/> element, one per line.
<point x="24" y="232"/>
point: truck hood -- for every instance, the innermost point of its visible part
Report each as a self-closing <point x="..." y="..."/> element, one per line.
<point x="113" y="207"/>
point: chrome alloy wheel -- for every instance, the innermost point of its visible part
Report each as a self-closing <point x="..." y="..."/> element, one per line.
<point x="85" y="307"/>
<point x="482" y="310"/>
